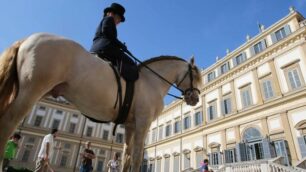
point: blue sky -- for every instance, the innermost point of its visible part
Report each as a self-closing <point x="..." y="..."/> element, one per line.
<point x="203" y="28"/>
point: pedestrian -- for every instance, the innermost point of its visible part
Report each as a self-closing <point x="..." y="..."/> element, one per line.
<point x="87" y="156"/>
<point x="113" y="165"/>
<point x="46" y="152"/>
<point x="10" y="150"/>
<point x="107" y="46"/>
<point x="204" y="166"/>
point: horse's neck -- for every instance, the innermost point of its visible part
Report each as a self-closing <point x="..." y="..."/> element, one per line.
<point x="168" y="69"/>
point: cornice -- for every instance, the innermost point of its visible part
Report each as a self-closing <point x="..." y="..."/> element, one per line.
<point x="254" y="61"/>
<point x="254" y="39"/>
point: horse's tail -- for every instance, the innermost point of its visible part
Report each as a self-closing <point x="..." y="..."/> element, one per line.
<point x="8" y="76"/>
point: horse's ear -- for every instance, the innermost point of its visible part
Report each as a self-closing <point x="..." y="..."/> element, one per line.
<point x="192" y="60"/>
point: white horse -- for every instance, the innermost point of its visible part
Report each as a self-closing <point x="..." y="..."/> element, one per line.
<point x="44" y="64"/>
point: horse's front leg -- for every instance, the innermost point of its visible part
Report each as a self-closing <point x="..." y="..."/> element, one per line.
<point x="126" y="158"/>
<point x="138" y="145"/>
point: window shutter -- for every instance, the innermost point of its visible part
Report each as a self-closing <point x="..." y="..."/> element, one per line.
<point x="219" y="158"/>
<point x="234" y="61"/>
<point x="209" y="159"/>
<point x="263" y="43"/>
<point x="302" y="146"/>
<point x="223" y="107"/>
<point x="268" y="149"/>
<point x="273" y="37"/>
<point x="241" y="152"/>
<point x="287" y="30"/>
<point x="244" y="57"/>
<point x="252" y="51"/>
<point x="226" y="153"/>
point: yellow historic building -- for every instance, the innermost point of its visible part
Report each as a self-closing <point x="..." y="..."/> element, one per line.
<point x="252" y="108"/>
<point x="74" y="131"/>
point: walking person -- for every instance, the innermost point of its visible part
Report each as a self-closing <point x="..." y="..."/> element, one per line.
<point x="87" y="156"/>
<point x="46" y="152"/>
<point x="113" y="165"/>
<point x="10" y="150"/>
<point x="204" y="166"/>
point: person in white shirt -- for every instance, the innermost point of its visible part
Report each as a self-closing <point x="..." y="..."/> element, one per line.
<point x="113" y="164"/>
<point x="46" y="152"/>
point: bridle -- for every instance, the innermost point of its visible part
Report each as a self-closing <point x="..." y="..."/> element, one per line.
<point x="191" y="88"/>
<point x="184" y="92"/>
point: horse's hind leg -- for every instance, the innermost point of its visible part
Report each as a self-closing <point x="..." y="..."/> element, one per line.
<point x="14" y="114"/>
<point x="126" y="157"/>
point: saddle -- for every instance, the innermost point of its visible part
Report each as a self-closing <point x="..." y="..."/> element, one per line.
<point x="124" y="107"/>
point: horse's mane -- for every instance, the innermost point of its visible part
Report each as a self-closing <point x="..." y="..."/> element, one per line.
<point x="197" y="74"/>
<point x="155" y="59"/>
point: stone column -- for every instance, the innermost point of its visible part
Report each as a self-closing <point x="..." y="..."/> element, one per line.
<point x="257" y="87"/>
<point x="204" y="110"/>
<point x="275" y="80"/>
<point x="234" y="101"/>
<point x="265" y="128"/>
<point x="289" y="137"/>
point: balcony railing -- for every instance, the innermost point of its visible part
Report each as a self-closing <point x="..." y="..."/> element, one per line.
<point x="303" y="23"/>
<point x="272" y="165"/>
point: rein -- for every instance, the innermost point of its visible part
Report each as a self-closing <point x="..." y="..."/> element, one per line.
<point x="162" y="78"/>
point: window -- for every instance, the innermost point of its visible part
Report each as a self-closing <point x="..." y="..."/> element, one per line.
<point x="167" y="164"/>
<point x="89" y="131"/>
<point x="176" y="163"/>
<point x="187" y="122"/>
<point x="226" y="106"/>
<point x="102" y="152"/>
<point x="280" y="34"/>
<point x="246" y="96"/>
<point x="186" y="160"/>
<point x="160" y="132"/>
<point x="75" y="116"/>
<point x="64" y="160"/>
<point x="67" y="146"/>
<point x="267" y="89"/>
<point x="215" y="158"/>
<point x="168" y="129"/>
<point x="177" y="125"/>
<point x="230" y="156"/>
<point x="38" y="120"/>
<point x="239" y="59"/>
<point x="100" y="165"/>
<point x="212" y="110"/>
<point x="293" y="76"/>
<point x="211" y="76"/>
<point x="59" y="112"/>
<point x="31" y="140"/>
<point x="144" y="166"/>
<point x="152" y="167"/>
<point x="26" y="155"/>
<point x="56" y="123"/>
<point x="154" y="135"/>
<point x="105" y="134"/>
<point x="43" y="108"/>
<point x="72" y="127"/>
<point x="224" y="68"/>
<point x="119" y="138"/>
<point x="198" y="118"/>
<point x="158" y="165"/>
<point x="259" y="47"/>
<point x="199" y="157"/>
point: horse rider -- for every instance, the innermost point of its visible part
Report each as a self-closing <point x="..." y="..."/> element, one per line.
<point x="106" y="44"/>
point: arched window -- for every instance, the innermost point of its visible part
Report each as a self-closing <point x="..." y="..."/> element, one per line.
<point x="251" y="134"/>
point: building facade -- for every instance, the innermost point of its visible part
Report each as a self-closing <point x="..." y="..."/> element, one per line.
<point x="74" y="131"/>
<point x="252" y="107"/>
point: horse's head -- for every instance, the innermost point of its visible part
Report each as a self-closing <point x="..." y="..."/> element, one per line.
<point x="190" y="82"/>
